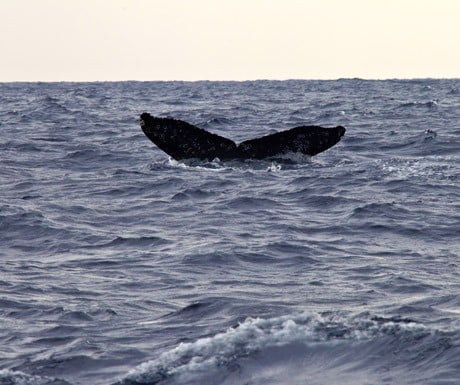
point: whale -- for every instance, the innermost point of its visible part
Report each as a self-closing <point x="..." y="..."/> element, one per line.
<point x="183" y="141"/>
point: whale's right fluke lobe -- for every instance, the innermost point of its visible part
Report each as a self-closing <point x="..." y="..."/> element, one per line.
<point x="308" y="140"/>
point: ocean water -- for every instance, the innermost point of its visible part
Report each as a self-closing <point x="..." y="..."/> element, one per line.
<point x="122" y="266"/>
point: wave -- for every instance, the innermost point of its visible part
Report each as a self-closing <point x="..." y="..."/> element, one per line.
<point x="431" y="104"/>
<point x="150" y="241"/>
<point x="249" y="203"/>
<point x="215" y="121"/>
<point x="306" y="348"/>
<point x="13" y="377"/>
<point x="430" y="167"/>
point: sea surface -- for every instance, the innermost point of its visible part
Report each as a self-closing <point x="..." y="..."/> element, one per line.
<point x="122" y="266"/>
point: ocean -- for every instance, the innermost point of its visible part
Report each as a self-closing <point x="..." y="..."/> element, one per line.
<point x="122" y="266"/>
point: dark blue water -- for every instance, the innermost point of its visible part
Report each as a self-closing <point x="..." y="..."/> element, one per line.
<point x="119" y="265"/>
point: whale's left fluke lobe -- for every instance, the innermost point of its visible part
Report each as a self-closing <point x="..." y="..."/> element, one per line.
<point x="182" y="140"/>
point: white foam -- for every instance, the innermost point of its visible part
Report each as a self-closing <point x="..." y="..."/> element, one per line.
<point x="13" y="377"/>
<point x="196" y="164"/>
<point x="253" y="335"/>
<point x="274" y="167"/>
<point x="218" y="165"/>
<point x="426" y="167"/>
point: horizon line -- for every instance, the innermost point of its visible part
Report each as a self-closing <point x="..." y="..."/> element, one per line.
<point x="231" y="80"/>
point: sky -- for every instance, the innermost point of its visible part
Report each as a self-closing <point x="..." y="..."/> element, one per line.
<point x="99" y="40"/>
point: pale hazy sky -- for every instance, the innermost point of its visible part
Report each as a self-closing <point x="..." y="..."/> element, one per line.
<point x="53" y="40"/>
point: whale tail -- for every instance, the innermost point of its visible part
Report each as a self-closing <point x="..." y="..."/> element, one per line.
<point x="181" y="140"/>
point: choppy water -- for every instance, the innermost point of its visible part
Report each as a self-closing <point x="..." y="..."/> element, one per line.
<point x="122" y="266"/>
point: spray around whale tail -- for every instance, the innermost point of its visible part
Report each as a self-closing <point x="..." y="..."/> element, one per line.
<point x="182" y="140"/>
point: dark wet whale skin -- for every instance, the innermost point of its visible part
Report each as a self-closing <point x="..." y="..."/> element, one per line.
<point x="181" y="140"/>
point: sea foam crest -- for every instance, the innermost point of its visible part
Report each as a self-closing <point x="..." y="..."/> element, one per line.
<point x="12" y="377"/>
<point x="255" y="335"/>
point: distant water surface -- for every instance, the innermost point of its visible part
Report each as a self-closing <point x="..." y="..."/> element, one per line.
<point x="122" y="266"/>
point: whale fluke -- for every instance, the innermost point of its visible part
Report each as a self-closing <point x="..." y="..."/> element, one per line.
<point x="181" y="140"/>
